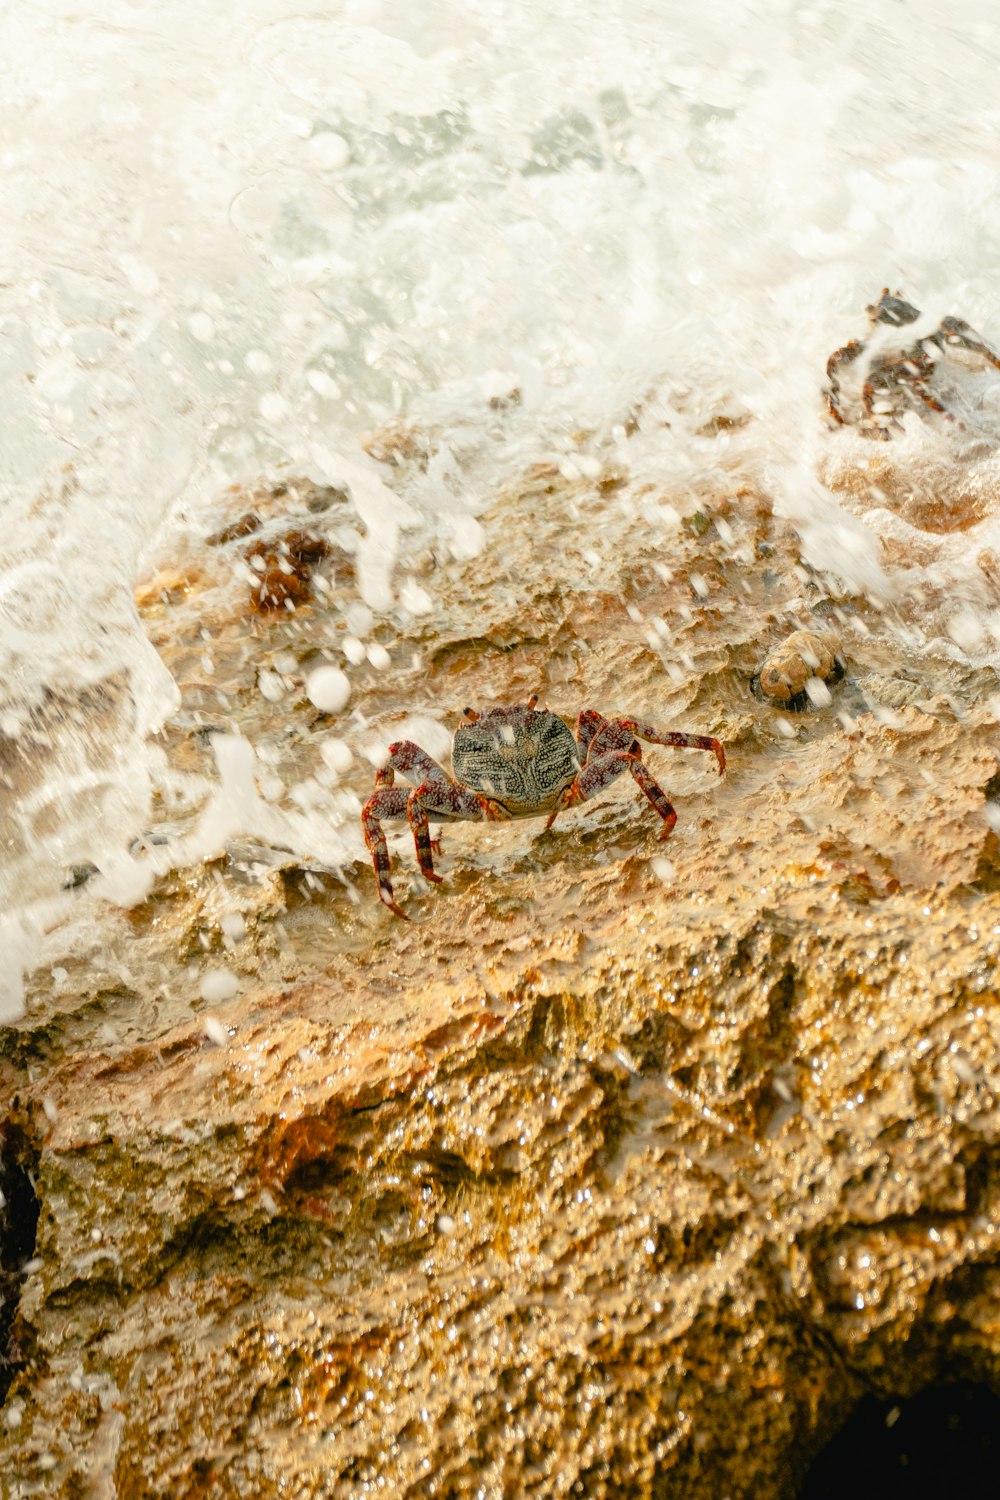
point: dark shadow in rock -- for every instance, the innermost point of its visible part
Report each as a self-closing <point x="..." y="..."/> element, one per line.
<point x="18" y="1224"/>
<point x="944" y="1441"/>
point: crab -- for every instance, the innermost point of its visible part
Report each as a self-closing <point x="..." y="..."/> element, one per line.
<point x="518" y="761"/>
<point x="899" y="375"/>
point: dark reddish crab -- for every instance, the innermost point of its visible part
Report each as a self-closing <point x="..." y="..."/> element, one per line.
<point x="514" y="762"/>
<point x="898" y="376"/>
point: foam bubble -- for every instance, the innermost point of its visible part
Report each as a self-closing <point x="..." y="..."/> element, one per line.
<point x="337" y="755"/>
<point x="328" y="150"/>
<point x="271" y="685"/>
<point x="218" y="984"/>
<point x="328" y="688"/>
<point x="215" y="1031"/>
<point x="273" y="407"/>
<point x="233" y="925"/>
<point x="202" y="327"/>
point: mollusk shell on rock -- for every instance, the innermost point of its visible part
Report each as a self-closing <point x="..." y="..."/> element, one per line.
<point x="787" y="670"/>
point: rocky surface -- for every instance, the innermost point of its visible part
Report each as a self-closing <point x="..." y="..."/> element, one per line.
<point x="625" y="1168"/>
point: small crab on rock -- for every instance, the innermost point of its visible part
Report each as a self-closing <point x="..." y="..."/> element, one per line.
<point x="513" y="762"/>
<point x="889" y="375"/>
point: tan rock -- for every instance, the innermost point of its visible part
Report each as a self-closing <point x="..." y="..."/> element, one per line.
<point x="624" y="1169"/>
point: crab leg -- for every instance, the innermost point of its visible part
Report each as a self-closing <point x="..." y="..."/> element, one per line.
<point x="385" y="802"/>
<point x="407" y="757"/>
<point x="655" y="794"/>
<point x="416" y="816"/>
<point x="444" y="799"/>
<point x="869" y="395"/>
<point x="587" y="725"/>
<point x="618" y="734"/>
<point x="921" y="388"/>
<point x="847" y="355"/>
<point x="958" y="332"/>
<point x="599" y="773"/>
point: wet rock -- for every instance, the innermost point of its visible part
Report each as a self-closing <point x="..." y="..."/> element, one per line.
<point x="609" y="1175"/>
<point x="512" y="398"/>
<point x="322" y="497"/>
<point x="399" y="443"/>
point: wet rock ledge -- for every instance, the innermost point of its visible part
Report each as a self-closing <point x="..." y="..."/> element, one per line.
<point x="625" y="1169"/>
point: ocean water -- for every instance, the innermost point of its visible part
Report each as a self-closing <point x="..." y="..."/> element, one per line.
<point x="236" y="236"/>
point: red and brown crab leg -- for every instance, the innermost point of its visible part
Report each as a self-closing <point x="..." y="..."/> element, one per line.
<point x="618" y="734"/>
<point x="386" y="802"/>
<point x="610" y="746"/>
<point x="389" y="802"/>
<point x="439" y="796"/>
<point x="445" y="800"/>
<point x="958" y="332"/>
<point x="869" y="395"/>
<point x="407" y="757"/>
<point x="920" y="386"/>
<point x="847" y="355"/>
<point x="599" y="773"/>
<point x="587" y="725"/>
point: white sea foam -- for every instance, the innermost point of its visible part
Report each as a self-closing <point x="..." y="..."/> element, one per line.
<point x="328" y="688"/>
<point x="238" y="235"/>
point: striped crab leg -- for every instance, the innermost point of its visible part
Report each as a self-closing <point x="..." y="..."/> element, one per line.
<point x="446" y="800"/>
<point x="389" y="802"/>
<point x="599" y="773"/>
<point x="386" y="802"/>
<point x="618" y="734"/>
<point x="609" y="747"/>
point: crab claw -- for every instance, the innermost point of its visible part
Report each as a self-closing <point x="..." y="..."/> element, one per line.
<point x="470" y="714"/>
<point x="720" y="756"/>
<point x="532" y="700"/>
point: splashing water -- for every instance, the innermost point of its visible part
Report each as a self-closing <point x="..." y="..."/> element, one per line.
<point x="237" y="236"/>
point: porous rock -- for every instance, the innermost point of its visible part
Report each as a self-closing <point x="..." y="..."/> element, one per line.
<point x="606" y="1176"/>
